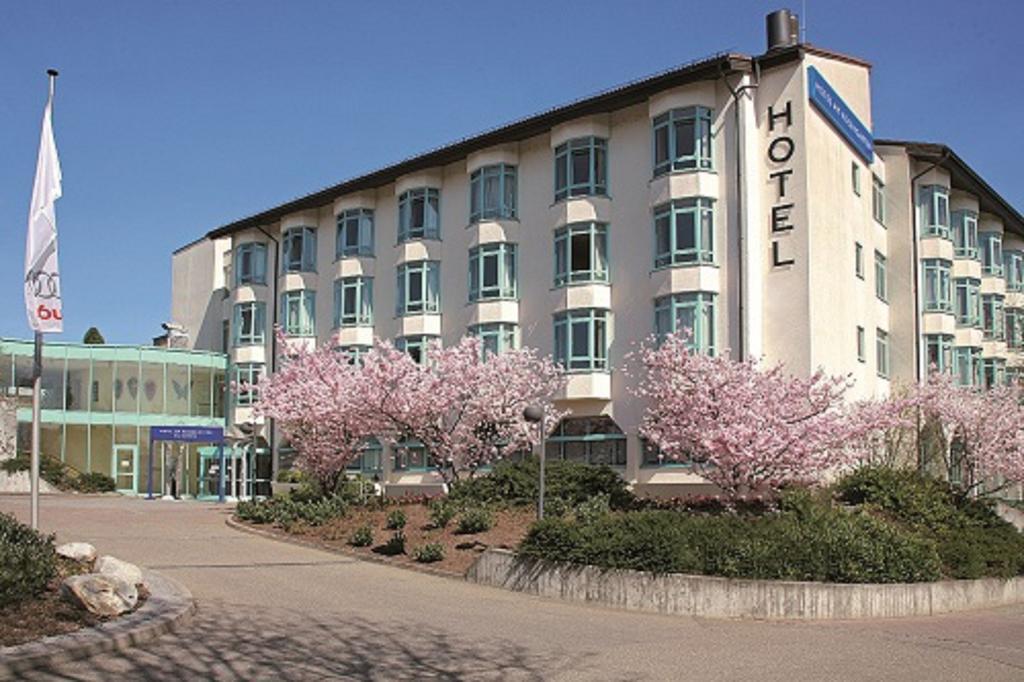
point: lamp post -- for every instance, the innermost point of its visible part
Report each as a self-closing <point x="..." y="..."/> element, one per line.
<point x="535" y="414"/>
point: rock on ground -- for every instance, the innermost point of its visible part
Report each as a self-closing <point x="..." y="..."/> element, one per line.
<point x="103" y="595"/>
<point x="78" y="551"/>
<point x="108" y="565"/>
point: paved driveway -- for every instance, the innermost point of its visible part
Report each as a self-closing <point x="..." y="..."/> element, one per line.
<point x="269" y="610"/>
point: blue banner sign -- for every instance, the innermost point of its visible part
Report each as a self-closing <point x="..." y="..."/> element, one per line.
<point x="832" y="106"/>
<point x="187" y="434"/>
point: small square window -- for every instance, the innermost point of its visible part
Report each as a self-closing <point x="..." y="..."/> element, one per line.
<point x="861" y="353"/>
<point x="858" y="259"/>
<point x="855" y="177"/>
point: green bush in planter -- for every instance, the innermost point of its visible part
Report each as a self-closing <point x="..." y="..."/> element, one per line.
<point x="475" y="520"/>
<point x="27" y="561"/>
<point x="396" y="520"/>
<point x="429" y="553"/>
<point x="442" y="511"/>
<point x="362" y="536"/>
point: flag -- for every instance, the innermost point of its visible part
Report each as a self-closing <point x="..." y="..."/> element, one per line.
<point x="42" y="277"/>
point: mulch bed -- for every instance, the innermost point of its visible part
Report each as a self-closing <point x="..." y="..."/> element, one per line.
<point x="460" y="551"/>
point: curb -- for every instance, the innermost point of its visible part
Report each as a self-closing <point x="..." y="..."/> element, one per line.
<point x="358" y="556"/>
<point x="170" y="604"/>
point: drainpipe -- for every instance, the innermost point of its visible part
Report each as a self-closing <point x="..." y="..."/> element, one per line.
<point x="273" y="358"/>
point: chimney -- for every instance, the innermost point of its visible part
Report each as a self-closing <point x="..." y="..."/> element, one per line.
<point x="783" y="29"/>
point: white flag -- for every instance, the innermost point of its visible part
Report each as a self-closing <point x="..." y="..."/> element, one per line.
<point x="42" y="277"/>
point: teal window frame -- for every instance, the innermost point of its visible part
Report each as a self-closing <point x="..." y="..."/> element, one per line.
<point x="249" y="322"/>
<point x="693" y="310"/>
<point x="967" y="365"/>
<point x="968" y="301"/>
<point x="493" y="272"/>
<point x="939" y="352"/>
<point x="582" y="339"/>
<point x="353" y="302"/>
<point x="993" y="325"/>
<point x="591" y="440"/>
<point x="581" y="254"/>
<point x="681" y="140"/>
<point x="496" y="337"/>
<point x="878" y="200"/>
<point x="965" y="235"/>
<point x="938" y="293"/>
<point x="298" y="250"/>
<point x="355" y="233"/>
<point x="993" y="372"/>
<point x="581" y="168"/>
<point x="684" y="232"/>
<point x="423" y="276"/>
<point x="881" y="277"/>
<point x="417" y="345"/>
<point x="882" y="367"/>
<point x="934" y="206"/>
<point x="1013" y="269"/>
<point x="411" y="455"/>
<point x="493" y="193"/>
<point x="298" y="312"/>
<point x="1013" y="319"/>
<point x="248" y="373"/>
<point x="354" y="352"/>
<point x="250" y="263"/>
<point x="991" y="246"/>
<point x="419" y="214"/>
<point x="370" y="459"/>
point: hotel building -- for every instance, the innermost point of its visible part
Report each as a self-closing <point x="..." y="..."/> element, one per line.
<point x="743" y="197"/>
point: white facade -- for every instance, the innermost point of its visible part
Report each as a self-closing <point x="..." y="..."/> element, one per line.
<point x="783" y="222"/>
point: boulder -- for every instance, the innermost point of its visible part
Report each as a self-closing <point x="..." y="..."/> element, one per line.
<point x="78" y="551"/>
<point x="103" y="595"/>
<point x="108" y="565"/>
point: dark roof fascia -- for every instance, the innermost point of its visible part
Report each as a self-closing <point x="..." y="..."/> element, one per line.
<point x="794" y="53"/>
<point x="610" y="100"/>
<point x="964" y="178"/>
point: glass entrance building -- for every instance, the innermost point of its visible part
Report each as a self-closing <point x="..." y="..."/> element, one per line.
<point x="99" y="402"/>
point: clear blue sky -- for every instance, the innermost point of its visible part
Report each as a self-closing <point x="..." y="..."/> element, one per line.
<point x="176" y="117"/>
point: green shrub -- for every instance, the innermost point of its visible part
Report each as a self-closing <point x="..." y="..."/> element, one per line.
<point x="904" y="494"/>
<point x="362" y="536"/>
<point x="290" y="476"/>
<point x="285" y="511"/>
<point x="475" y="520"/>
<point x="51" y="470"/>
<point x="394" y="546"/>
<point x="396" y="520"/>
<point x="517" y="483"/>
<point x="27" y="561"/>
<point x="429" y="553"/>
<point x="442" y="511"/>
<point x="594" y="509"/>
<point x="94" y="482"/>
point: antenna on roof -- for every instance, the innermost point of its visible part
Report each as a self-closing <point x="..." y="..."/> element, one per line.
<point x="803" y="21"/>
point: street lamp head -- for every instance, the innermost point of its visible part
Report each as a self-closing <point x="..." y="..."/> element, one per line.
<point x="533" y="413"/>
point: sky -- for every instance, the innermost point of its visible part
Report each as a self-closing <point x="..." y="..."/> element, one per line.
<point x="173" y="118"/>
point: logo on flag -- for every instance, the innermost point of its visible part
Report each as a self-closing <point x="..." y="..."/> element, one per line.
<point x="42" y="276"/>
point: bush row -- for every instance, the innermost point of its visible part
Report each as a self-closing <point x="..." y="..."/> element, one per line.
<point x="285" y="511"/>
<point x="62" y="476"/>
<point x="27" y="561"/>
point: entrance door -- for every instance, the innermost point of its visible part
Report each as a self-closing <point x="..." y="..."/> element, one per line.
<point x="125" y="466"/>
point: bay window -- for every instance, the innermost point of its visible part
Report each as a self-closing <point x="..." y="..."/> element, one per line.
<point x="968" y="302"/>
<point x="692" y="313"/>
<point x="934" y="207"/>
<point x="993" y="372"/>
<point x="251" y="264"/>
<point x="581" y="340"/>
<point x="1013" y="269"/>
<point x="581" y="253"/>
<point x="992" y="323"/>
<point x="682" y="140"/>
<point x="247" y="376"/>
<point x="1014" y="321"/>
<point x="684" y="232"/>
<point x="298" y="312"/>
<point x="937" y="290"/>
<point x="967" y="365"/>
<point x="419" y="288"/>
<point x="939" y="348"/>
<point x="492" y="193"/>
<point x="492" y="271"/>
<point x="581" y="168"/>
<point x="417" y="346"/>
<point x="355" y="233"/>
<point x="419" y="214"/>
<point x="991" y="244"/>
<point x="250" y="323"/>
<point x="965" y="234"/>
<point x="298" y="250"/>
<point x="496" y="337"/>
<point x="353" y="301"/>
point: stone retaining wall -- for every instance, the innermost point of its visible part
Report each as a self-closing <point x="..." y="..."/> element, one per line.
<point x="708" y="596"/>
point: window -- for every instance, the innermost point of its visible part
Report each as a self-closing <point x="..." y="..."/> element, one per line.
<point x="993" y="372"/>
<point x="411" y="455"/>
<point x="251" y="264"/>
<point x="992" y="323"/>
<point x="298" y="310"/>
<point x="855" y="177"/>
<point x="882" y="353"/>
<point x="492" y="271"/>
<point x="881" y="278"/>
<point x="581" y="340"/>
<point x="353" y="301"/>
<point x="496" y="337"/>
<point x="417" y="346"/>
<point x="968" y="302"/>
<point x="355" y="233"/>
<point x="861" y="350"/>
<point x="693" y="312"/>
<point x="592" y="440"/>
<point x="939" y="348"/>
<point x="682" y="140"/>
<point x="581" y="168"/>
<point x="967" y="365"/>
<point x="965" y="234"/>
<point x="684" y="232"/>
<point x="937" y="289"/>
<point x="369" y="460"/>
<point x="225" y="335"/>
<point x="354" y="353"/>
<point x="858" y="259"/>
<point x="581" y="253"/>
<point x="1014" y="320"/>
<point x="991" y="244"/>
<point x="934" y="204"/>
<point x="247" y="375"/>
<point x="1013" y="270"/>
<point x="878" y="200"/>
<point x="298" y="247"/>
<point x="492" y="193"/>
<point x="419" y="214"/>
<point x="419" y="288"/>
<point x="250" y="323"/>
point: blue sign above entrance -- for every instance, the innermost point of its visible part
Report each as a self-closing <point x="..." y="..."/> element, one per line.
<point x="187" y="434"/>
<point x="832" y="106"/>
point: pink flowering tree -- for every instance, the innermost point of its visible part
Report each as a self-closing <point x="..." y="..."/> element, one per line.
<point x="315" y="397"/>
<point x="465" y="409"/>
<point x="742" y="428"/>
